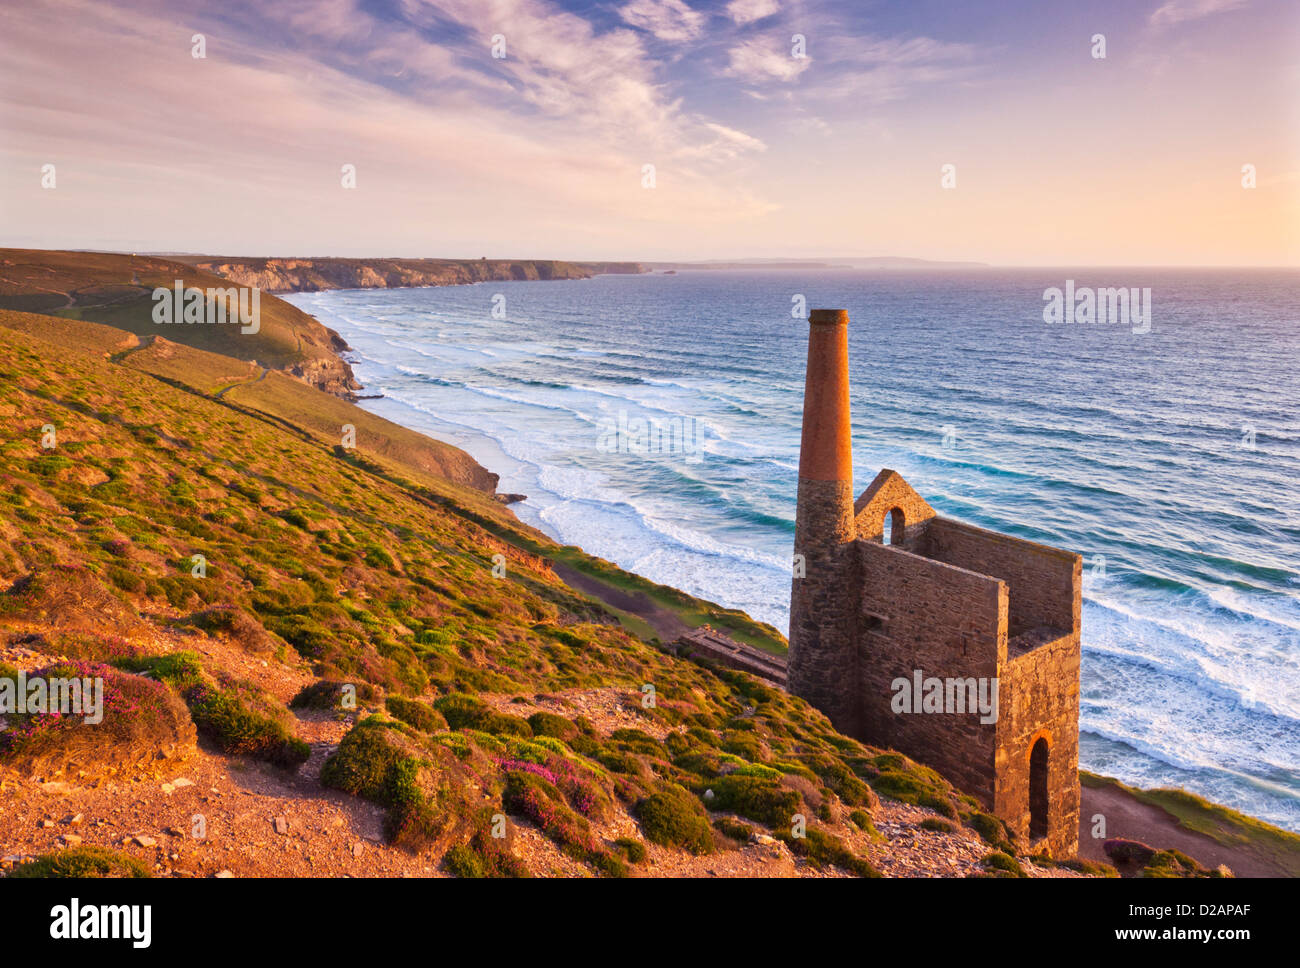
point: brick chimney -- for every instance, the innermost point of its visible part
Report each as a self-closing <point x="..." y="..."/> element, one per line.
<point x="822" y="660"/>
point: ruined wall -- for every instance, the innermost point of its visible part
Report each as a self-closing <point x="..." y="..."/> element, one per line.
<point x="886" y="492"/>
<point x="915" y="613"/>
<point x="1040" y="697"/>
<point x="1041" y="580"/>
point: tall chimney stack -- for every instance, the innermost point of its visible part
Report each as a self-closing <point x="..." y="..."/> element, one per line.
<point x="822" y="663"/>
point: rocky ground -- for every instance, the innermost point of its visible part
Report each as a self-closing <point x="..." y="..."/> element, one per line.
<point x="218" y="816"/>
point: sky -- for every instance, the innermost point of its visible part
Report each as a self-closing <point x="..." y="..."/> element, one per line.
<point x="774" y="128"/>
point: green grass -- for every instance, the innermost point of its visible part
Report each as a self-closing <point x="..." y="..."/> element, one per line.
<point x="80" y="862"/>
<point x="674" y="817"/>
<point x="1004" y="862"/>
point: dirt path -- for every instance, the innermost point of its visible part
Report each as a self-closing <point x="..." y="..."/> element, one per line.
<point x="1131" y="819"/>
<point x="667" y="625"/>
<point x="242" y="383"/>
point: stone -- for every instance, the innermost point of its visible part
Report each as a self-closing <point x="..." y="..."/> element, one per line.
<point x="143" y="841"/>
<point x="281" y="825"/>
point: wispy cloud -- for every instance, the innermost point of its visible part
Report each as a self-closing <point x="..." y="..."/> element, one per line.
<point x="881" y="69"/>
<point x="748" y="11"/>
<point x="1180" y="11"/>
<point x="670" y="20"/>
<point x="765" y="59"/>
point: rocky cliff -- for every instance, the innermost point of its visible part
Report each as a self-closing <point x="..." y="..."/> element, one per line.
<point x="314" y="275"/>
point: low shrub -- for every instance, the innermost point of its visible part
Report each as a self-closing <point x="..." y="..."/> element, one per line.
<point x="549" y="724"/>
<point x="79" y="862"/>
<point x="463" y="711"/>
<point x="632" y="849"/>
<point x="234" y="715"/>
<point x="821" y="849"/>
<point x="753" y="797"/>
<point x="415" y="713"/>
<point x="1002" y="861"/>
<point x="226" y="717"/>
<point x="333" y="694"/>
<point x="379" y="761"/>
<point x="674" y="817"/>
<point x="732" y="828"/>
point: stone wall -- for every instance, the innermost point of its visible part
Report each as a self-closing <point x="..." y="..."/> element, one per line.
<point x="714" y="646"/>
<point x="915" y="613"/>
<point x="1040" y="579"/>
<point x="886" y="493"/>
<point x="1040" y="691"/>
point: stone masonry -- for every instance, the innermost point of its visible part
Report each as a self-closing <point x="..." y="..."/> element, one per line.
<point x="901" y="620"/>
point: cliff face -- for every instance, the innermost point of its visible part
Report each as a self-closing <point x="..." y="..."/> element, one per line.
<point x="314" y="275"/>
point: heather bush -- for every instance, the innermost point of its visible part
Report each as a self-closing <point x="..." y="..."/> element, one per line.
<point x="674" y="817"/>
<point x="415" y="713"/>
<point x="141" y="726"/>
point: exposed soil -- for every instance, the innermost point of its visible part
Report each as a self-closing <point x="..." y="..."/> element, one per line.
<point x="1131" y="819"/>
<point x="666" y="623"/>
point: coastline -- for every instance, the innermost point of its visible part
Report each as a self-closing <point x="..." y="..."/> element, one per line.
<point x="277" y="276"/>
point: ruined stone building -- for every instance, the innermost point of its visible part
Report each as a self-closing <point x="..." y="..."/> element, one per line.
<point x="893" y="593"/>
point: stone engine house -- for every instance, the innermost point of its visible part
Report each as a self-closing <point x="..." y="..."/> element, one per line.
<point x="890" y="591"/>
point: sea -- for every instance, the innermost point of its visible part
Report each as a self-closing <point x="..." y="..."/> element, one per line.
<point x="654" y="420"/>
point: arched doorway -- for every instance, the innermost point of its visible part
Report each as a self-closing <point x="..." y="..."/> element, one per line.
<point x="892" y="528"/>
<point x="1038" y="799"/>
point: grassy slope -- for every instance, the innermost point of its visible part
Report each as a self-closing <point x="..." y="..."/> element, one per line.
<point x="117" y="290"/>
<point x="377" y="573"/>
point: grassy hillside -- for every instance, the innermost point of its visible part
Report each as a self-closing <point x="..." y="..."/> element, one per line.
<point x="361" y="586"/>
<point x="117" y="290"/>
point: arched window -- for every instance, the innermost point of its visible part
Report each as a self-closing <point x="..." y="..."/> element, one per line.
<point x="1038" y="800"/>
<point x="891" y="529"/>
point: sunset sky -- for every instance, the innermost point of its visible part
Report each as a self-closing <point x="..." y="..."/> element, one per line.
<point x="1061" y="158"/>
